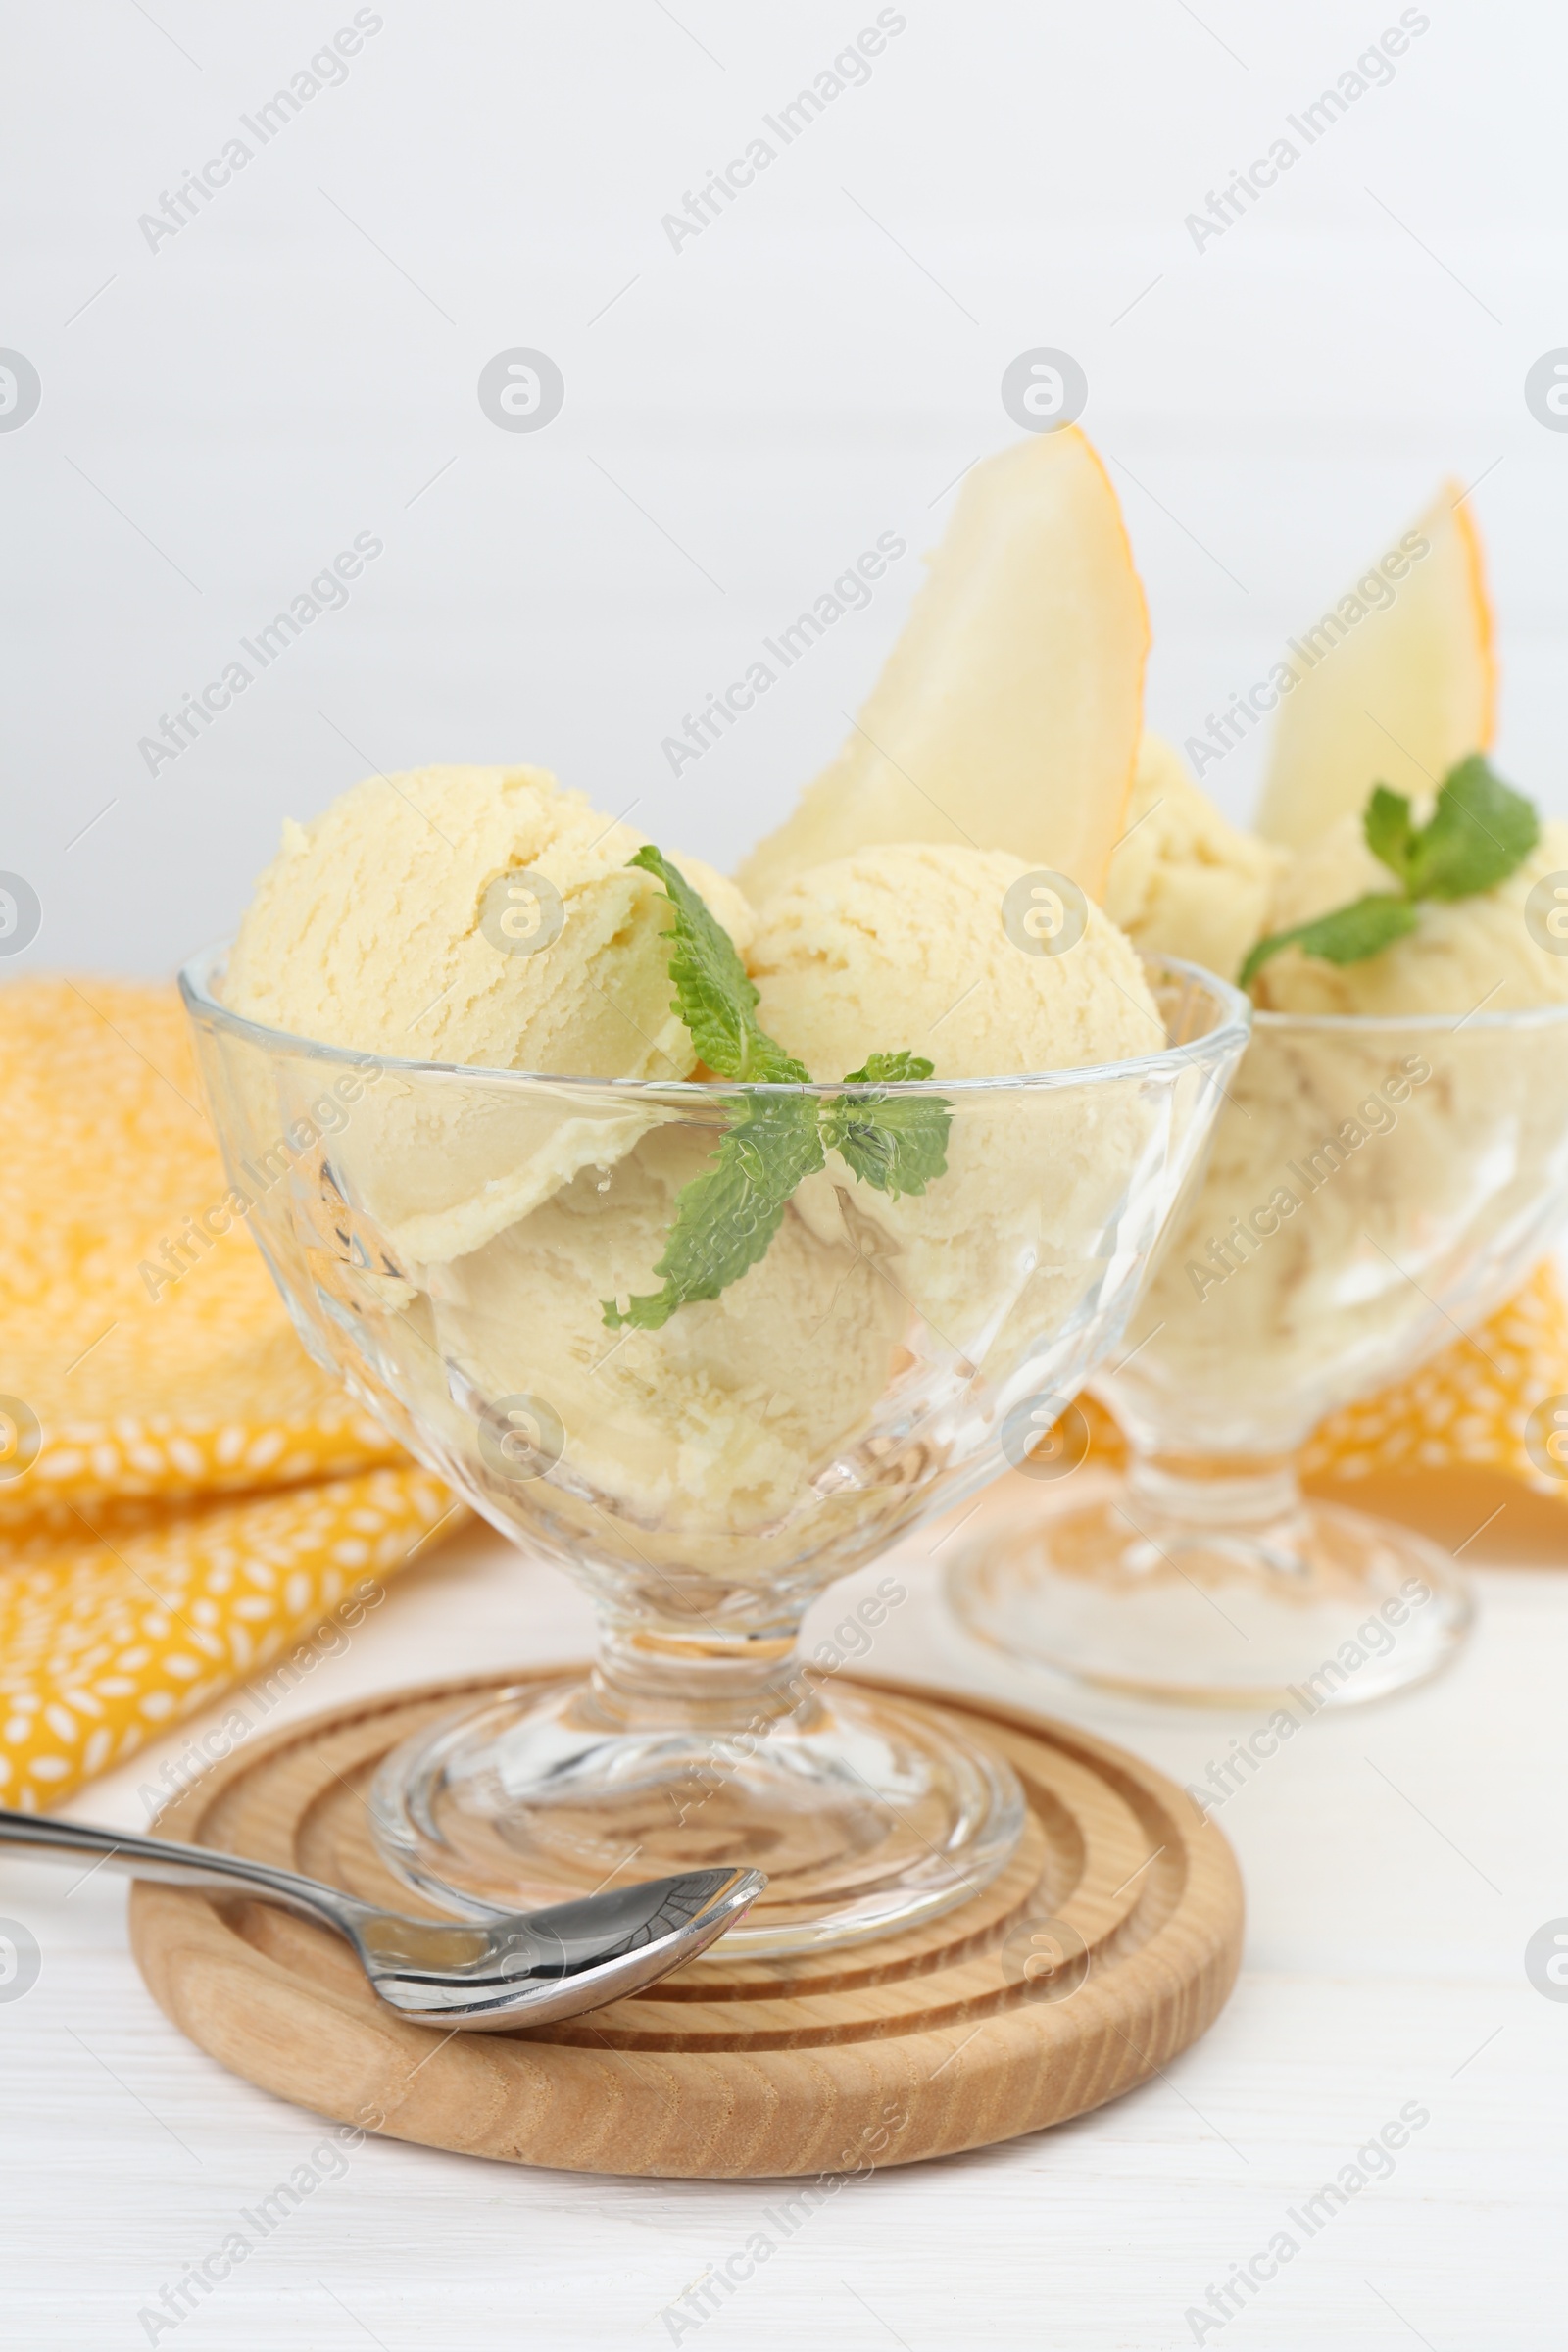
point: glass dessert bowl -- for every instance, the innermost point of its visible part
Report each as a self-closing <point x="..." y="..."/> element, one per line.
<point x="1376" y="1185"/>
<point x="461" y="1247"/>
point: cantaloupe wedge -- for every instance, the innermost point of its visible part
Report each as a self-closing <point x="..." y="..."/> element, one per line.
<point x="1010" y="709"/>
<point x="1393" y="695"/>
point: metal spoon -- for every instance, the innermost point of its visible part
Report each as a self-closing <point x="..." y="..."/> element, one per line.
<point x="520" y="1968"/>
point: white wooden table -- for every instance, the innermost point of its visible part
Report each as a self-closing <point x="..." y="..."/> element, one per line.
<point x="1396" y="1861"/>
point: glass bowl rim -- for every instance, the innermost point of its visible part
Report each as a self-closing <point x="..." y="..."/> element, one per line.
<point x="1368" y="1024"/>
<point x="1230" y="1032"/>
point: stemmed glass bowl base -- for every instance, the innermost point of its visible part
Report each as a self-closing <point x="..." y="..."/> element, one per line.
<point x="1248" y="1595"/>
<point x="869" y="1813"/>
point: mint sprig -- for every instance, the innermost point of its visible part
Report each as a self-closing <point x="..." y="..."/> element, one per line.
<point x="898" y="1143"/>
<point x="725" y="1219"/>
<point x="713" y="992"/>
<point x="1347" y="936"/>
<point x="1479" y="831"/>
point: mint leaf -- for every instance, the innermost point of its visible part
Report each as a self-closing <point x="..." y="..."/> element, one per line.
<point x="1480" y="830"/>
<point x="1346" y="936"/>
<point x="725" y="1219"/>
<point x="898" y="1143"/>
<point x="714" y="996"/>
<point x="1390" y="834"/>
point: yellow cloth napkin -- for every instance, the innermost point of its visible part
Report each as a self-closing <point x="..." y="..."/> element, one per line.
<point x="1464" y="1447"/>
<point x="183" y="1495"/>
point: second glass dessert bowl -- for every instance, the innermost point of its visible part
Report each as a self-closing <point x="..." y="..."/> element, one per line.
<point x="1377" y="1186"/>
<point x="460" y="1246"/>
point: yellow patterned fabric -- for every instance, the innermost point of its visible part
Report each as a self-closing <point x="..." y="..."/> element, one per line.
<point x="1468" y="1409"/>
<point x="183" y="1495"/>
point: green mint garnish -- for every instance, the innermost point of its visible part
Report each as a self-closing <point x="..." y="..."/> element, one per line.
<point x="1347" y="935"/>
<point x="1479" y="831"/>
<point x="898" y="1143"/>
<point x="1387" y="831"/>
<point x="726" y="1218"/>
<point x="714" y="996"/>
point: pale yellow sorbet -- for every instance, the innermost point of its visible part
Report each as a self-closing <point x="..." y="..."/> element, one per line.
<point x="1183" y="881"/>
<point x="500" y="1217"/>
<point x="374" y="929"/>
<point x="1465" y="952"/>
<point x="710" y="1432"/>
<point x="905" y="947"/>
<point x="367" y="930"/>
<point x="721" y="1418"/>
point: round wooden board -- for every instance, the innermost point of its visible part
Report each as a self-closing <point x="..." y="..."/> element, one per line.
<point x="885" y="2053"/>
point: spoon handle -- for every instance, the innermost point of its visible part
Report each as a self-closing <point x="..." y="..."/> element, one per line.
<point x="47" y="1836"/>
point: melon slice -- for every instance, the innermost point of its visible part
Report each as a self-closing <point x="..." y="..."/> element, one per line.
<point x="1010" y="709"/>
<point x="1395" y="695"/>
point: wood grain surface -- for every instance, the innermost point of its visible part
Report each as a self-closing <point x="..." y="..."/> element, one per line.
<point x="1108" y="1945"/>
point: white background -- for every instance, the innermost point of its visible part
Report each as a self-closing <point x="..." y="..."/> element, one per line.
<point x="752" y="410"/>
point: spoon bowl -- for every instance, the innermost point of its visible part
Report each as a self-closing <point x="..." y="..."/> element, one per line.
<point x="520" y="1968"/>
